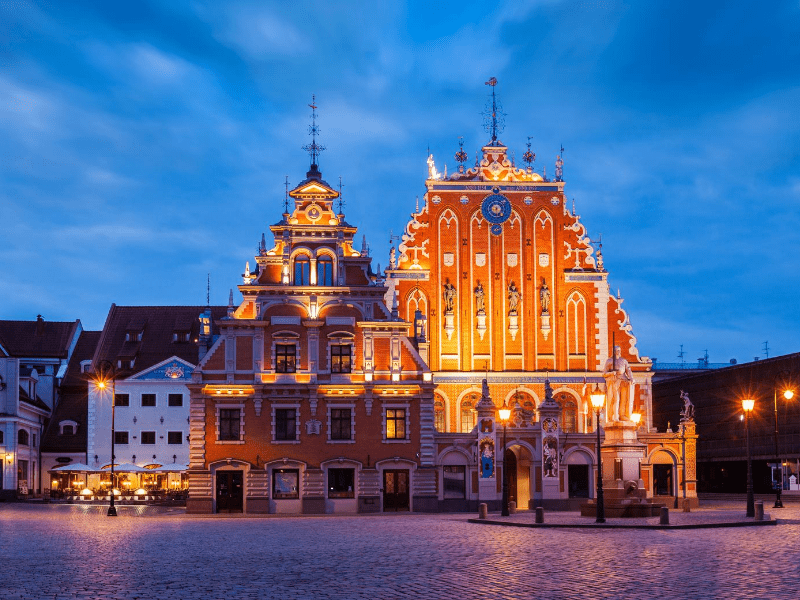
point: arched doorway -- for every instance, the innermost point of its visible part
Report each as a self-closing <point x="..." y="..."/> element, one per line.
<point x="510" y="464"/>
<point x="518" y="460"/>
<point x="663" y="474"/>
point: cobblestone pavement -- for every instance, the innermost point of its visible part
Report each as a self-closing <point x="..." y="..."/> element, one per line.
<point x="57" y="552"/>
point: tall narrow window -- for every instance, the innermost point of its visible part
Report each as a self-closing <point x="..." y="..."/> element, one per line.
<point x="285" y="424"/>
<point x="438" y="415"/>
<point x="395" y="424"/>
<point x="302" y="270"/>
<point x="340" y="424"/>
<point x="569" y="413"/>
<point x="340" y="358"/>
<point x="324" y="270"/>
<point x="229" y="424"/>
<point x="285" y="358"/>
<point x="467" y="416"/>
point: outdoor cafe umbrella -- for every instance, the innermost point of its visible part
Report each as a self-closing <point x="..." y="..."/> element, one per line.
<point x="75" y="468"/>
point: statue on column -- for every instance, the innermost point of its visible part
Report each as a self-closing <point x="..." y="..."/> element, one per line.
<point x="687" y="414"/>
<point x="480" y="299"/>
<point x="544" y="297"/>
<point x="449" y="296"/>
<point x="619" y="386"/>
<point x="513" y="299"/>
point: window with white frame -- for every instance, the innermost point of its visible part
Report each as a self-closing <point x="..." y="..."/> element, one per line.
<point x="396" y="423"/>
<point x="325" y="270"/>
<point x="284" y="420"/>
<point x="341" y="358"/>
<point x="230" y="424"/>
<point x="341" y="483"/>
<point x="285" y="358"/>
<point x="341" y="423"/>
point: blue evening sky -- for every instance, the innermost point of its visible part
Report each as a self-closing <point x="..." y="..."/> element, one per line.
<point x="144" y="145"/>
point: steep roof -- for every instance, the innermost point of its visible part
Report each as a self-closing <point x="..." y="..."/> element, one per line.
<point x="74" y="400"/>
<point x="157" y="326"/>
<point x="38" y="339"/>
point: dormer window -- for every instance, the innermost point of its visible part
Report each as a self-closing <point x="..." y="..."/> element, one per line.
<point x="302" y="270"/>
<point x="133" y="336"/>
<point x="325" y="270"/>
<point x="68" y="427"/>
<point x="86" y="366"/>
<point x="180" y="336"/>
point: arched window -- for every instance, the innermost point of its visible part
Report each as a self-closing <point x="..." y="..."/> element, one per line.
<point x="569" y="413"/>
<point x="438" y="415"/>
<point x="468" y="414"/>
<point x="302" y="270"/>
<point x="22" y="437"/>
<point x="325" y="270"/>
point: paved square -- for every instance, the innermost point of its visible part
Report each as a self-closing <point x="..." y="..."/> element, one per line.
<point x="59" y="552"/>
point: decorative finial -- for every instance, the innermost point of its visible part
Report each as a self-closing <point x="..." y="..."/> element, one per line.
<point x="208" y="289"/>
<point x="230" y="298"/>
<point x="494" y="118"/>
<point x="416" y="206"/>
<point x="286" y="195"/>
<point x="341" y="199"/>
<point x="461" y="156"/>
<point x="313" y="148"/>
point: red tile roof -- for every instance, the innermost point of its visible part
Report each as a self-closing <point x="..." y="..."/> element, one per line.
<point x="38" y="339"/>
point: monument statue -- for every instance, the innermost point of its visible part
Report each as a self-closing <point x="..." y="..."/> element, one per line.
<point x="449" y="296"/>
<point x="544" y="297"/>
<point x="619" y="386"/>
<point x="480" y="300"/>
<point x="513" y="298"/>
<point x="687" y="414"/>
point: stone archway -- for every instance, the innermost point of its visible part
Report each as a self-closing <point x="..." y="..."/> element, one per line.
<point x="519" y="462"/>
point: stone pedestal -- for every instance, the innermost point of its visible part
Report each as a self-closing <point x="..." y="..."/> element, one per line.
<point x="622" y="452"/>
<point x="481" y="326"/>
<point x="545" y="324"/>
<point x="513" y="324"/>
<point x="449" y="324"/>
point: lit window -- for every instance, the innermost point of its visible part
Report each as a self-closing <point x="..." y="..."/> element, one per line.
<point x="438" y="415"/>
<point x="325" y="271"/>
<point x="229" y="424"/>
<point x="467" y="416"/>
<point x="302" y="270"/>
<point x="341" y="358"/>
<point x="284" y="484"/>
<point x="341" y="483"/>
<point x="285" y="358"/>
<point x="395" y="424"/>
<point x="569" y="413"/>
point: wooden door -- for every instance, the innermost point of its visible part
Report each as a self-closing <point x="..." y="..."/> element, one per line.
<point x="230" y="492"/>
<point x="396" y="490"/>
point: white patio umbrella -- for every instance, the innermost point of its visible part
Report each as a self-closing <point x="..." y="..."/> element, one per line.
<point x="76" y="468"/>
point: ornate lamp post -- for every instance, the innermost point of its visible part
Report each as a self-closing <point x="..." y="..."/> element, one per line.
<point x="505" y="414"/>
<point x="106" y="369"/>
<point x="788" y="395"/>
<point x="598" y="400"/>
<point x="747" y="405"/>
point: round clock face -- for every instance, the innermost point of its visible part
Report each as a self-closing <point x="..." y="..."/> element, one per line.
<point x="496" y="208"/>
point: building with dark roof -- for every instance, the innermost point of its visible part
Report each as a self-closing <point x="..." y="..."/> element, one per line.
<point x="33" y="360"/>
<point x="721" y="450"/>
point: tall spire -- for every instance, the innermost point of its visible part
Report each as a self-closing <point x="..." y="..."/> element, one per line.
<point x="314" y="149"/>
<point x="494" y="117"/>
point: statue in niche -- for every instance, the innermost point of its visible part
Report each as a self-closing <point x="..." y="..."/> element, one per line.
<point x="513" y="299"/>
<point x="487" y="457"/>
<point x="544" y="297"/>
<point x="449" y="296"/>
<point x="687" y="414"/>
<point x="619" y="386"/>
<point x="480" y="299"/>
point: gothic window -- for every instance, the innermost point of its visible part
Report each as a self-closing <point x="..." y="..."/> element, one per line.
<point x="438" y="415"/>
<point x="302" y="270"/>
<point x="325" y="270"/>
<point x="569" y="412"/>
<point x="468" y="414"/>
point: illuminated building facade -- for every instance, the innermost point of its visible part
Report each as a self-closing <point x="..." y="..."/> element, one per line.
<point x="313" y="399"/>
<point x="504" y="281"/>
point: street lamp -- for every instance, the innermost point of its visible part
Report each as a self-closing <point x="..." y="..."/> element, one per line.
<point x="505" y="414"/>
<point x="747" y="405"/>
<point x="101" y="381"/>
<point x="788" y="394"/>
<point x="598" y="400"/>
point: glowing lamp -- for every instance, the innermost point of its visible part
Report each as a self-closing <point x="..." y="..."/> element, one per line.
<point x="427" y="377"/>
<point x="636" y="417"/>
<point x="101" y="385"/>
<point x="140" y="492"/>
<point x="505" y="413"/>
<point x="368" y="376"/>
<point x="788" y="394"/>
<point x="395" y="376"/>
<point x="86" y="492"/>
<point x="597" y="397"/>
<point x="748" y="404"/>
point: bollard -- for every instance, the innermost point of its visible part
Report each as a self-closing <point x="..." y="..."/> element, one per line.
<point x="483" y="510"/>
<point x="686" y="505"/>
<point x="664" y="516"/>
<point x="760" y="510"/>
<point x="539" y="514"/>
<point x="512" y="507"/>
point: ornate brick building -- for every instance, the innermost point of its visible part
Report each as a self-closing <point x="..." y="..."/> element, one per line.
<point x="502" y="277"/>
<point x="313" y="398"/>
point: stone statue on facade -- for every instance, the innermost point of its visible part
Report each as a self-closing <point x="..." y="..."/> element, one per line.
<point x="392" y="258"/>
<point x="619" y="386"/>
<point x="544" y="297"/>
<point x="480" y="299"/>
<point x="687" y="414"/>
<point x="513" y="298"/>
<point x="449" y="296"/>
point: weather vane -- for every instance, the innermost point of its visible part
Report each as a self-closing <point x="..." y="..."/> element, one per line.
<point x="461" y="156"/>
<point x="286" y="195"/>
<point x="529" y="157"/>
<point x="313" y="148"/>
<point x="341" y="200"/>
<point x="494" y="118"/>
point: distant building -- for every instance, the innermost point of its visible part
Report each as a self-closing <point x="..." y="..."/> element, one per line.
<point x="717" y="396"/>
<point x="33" y="360"/>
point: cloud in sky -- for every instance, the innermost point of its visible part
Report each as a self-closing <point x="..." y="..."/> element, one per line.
<point x="145" y="145"/>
